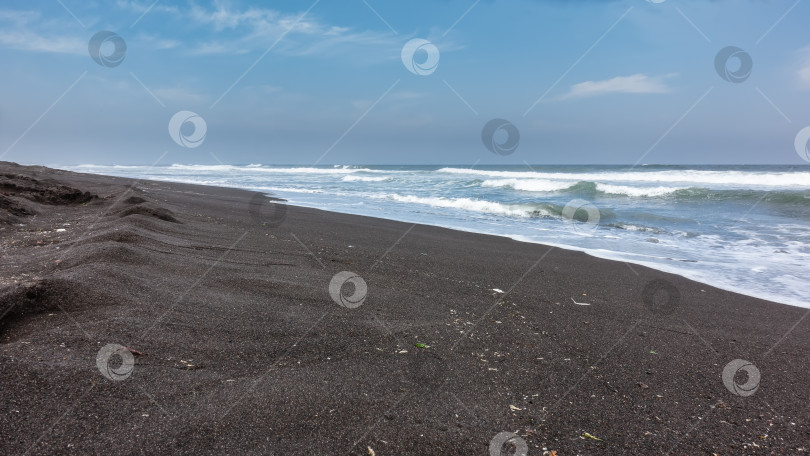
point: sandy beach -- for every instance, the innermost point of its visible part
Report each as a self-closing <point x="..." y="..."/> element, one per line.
<point x="143" y="317"/>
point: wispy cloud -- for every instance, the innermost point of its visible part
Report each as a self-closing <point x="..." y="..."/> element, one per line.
<point x="636" y="83"/>
<point x="256" y="28"/>
<point x="29" y="41"/>
<point x="16" y="33"/>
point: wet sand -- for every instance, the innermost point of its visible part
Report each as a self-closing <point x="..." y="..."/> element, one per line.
<point x="235" y="346"/>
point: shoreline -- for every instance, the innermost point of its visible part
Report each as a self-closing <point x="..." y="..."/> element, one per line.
<point x="223" y="299"/>
<point x="612" y="255"/>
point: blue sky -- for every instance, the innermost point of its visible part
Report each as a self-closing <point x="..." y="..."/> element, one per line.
<point x="584" y="82"/>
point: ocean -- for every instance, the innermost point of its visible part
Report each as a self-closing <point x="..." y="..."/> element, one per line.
<point x="740" y="228"/>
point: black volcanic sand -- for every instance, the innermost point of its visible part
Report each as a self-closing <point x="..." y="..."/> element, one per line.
<point x="223" y="298"/>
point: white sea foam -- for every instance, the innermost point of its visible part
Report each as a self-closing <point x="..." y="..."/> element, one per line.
<point x="468" y="204"/>
<point x="530" y="185"/>
<point x="636" y="191"/>
<point x="271" y="170"/>
<point x="287" y="189"/>
<point x="722" y="179"/>
<point x="353" y="178"/>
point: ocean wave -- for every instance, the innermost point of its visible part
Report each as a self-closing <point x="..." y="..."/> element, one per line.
<point x="287" y="189"/>
<point x="271" y="170"/>
<point x="798" y="198"/>
<point x="530" y="185"/>
<point x="481" y="206"/>
<point x="732" y="179"/>
<point x="636" y="191"/>
<point x="581" y="187"/>
<point x="353" y="178"/>
<point x="468" y="204"/>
